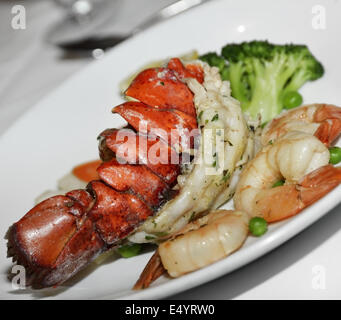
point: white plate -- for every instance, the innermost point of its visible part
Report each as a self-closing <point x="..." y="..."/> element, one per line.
<point x="61" y="130"/>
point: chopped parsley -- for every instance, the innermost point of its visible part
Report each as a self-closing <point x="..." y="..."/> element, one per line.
<point x="215" y="117"/>
<point x="161" y="234"/>
<point x="191" y="217"/>
<point x="226" y="175"/>
<point x="149" y="237"/>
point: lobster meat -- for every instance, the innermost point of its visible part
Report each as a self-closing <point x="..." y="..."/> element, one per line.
<point x="63" y="234"/>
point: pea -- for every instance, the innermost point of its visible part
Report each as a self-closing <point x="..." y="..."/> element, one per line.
<point x="258" y="226"/>
<point x="278" y="183"/>
<point x="129" y="250"/>
<point x="335" y="155"/>
<point x="292" y="99"/>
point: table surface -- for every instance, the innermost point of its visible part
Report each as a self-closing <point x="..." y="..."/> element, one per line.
<point x="306" y="267"/>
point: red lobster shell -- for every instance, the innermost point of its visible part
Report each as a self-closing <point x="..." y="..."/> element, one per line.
<point x="63" y="234"/>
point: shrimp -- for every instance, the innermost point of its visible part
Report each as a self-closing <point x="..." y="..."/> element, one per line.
<point x="299" y="158"/>
<point x="200" y="243"/>
<point x="321" y="120"/>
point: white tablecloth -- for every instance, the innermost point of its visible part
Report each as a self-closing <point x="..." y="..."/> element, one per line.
<point x="307" y="266"/>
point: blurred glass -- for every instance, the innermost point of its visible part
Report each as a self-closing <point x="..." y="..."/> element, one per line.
<point x="82" y="18"/>
<point x="79" y="9"/>
<point x="105" y="23"/>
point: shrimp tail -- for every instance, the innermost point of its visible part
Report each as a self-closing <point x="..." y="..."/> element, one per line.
<point x="330" y="128"/>
<point x="318" y="183"/>
<point x="153" y="270"/>
<point x="322" y="120"/>
<point x="283" y="202"/>
<point x="278" y="203"/>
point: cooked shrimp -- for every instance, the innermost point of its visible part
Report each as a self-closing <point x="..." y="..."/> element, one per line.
<point x="321" y="120"/>
<point x="299" y="158"/>
<point x="198" y="244"/>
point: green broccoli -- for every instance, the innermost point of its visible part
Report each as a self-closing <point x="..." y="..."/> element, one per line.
<point x="261" y="74"/>
<point x="216" y="61"/>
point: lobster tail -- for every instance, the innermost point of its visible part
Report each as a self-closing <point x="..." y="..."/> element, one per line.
<point x="63" y="234"/>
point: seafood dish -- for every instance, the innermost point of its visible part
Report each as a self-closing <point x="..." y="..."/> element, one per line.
<point x="201" y="131"/>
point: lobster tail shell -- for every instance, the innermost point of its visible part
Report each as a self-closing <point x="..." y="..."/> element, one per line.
<point x="53" y="241"/>
<point x="63" y="234"/>
<point x="132" y="148"/>
<point x="160" y="88"/>
<point x="172" y="126"/>
<point x="142" y="182"/>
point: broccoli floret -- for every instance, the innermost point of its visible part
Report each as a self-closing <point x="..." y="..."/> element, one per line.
<point x="261" y="73"/>
<point x="216" y="61"/>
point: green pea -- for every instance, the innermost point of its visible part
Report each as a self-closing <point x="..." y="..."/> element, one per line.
<point x="129" y="250"/>
<point x="278" y="183"/>
<point x="335" y="155"/>
<point x="292" y="99"/>
<point x="258" y="226"/>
